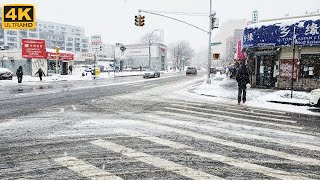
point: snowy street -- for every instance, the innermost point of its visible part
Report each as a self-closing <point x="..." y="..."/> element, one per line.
<point x="154" y="129"/>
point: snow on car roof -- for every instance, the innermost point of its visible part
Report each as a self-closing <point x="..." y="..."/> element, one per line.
<point x="4" y="70"/>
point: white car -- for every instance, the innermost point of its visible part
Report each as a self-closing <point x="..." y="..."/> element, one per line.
<point x="315" y="98"/>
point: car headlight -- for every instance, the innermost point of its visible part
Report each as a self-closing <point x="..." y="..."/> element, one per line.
<point x="315" y="92"/>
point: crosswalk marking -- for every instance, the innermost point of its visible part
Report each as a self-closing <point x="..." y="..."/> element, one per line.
<point x="243" y="126"/>
<point x="303" y="160"/>
<point x="74" y="107"/>
<point x="62" y="110"/>
<point x="236" y="107"/>
<point x="231" y="161"/>
<point x="249" y="166"/>
<point x="245" y="115"/>
<point x="155" y="161"/>
<point x="150" y="85"/>
<point x="239" y="134"/>
<point x="85" y="169"/>
<point x="153" y="139"/>
<point x="235" y="118"/>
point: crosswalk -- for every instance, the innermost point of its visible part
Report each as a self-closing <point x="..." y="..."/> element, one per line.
<point x="191" y="141"/>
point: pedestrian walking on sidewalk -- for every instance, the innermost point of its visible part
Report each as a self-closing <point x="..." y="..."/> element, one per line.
<point x="242" y="78"/>
<point x="40" y="73"/>
<point x="70" y="69"/>
<point x="19" y="74"/>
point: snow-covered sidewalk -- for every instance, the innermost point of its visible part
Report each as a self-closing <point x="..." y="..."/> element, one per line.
<point x="224" y="89"/>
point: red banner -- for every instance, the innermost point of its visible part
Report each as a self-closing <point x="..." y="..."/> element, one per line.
<point x="33" y="48"/>
<point x="62" y="56"/>
<point x="286" y="69"/>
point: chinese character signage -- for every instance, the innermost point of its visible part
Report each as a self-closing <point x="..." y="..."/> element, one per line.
<point x="281" y="34"/>
<point x="33" y="48"/>
<point x="62" y="55"/>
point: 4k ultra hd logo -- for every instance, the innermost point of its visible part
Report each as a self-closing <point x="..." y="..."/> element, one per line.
<point x="18" y="16"/>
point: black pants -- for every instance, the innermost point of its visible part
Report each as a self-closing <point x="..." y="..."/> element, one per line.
<point x="40" y="78"/>
<point x="242" y="92"/>
<point x="19" y="79"/>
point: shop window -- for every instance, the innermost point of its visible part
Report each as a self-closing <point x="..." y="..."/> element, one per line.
<point x="310" y="66"/>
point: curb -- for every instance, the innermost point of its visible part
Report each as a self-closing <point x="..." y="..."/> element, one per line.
<point x="291" y="103"/>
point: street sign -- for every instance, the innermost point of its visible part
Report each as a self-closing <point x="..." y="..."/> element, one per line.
<point x="18" y="16"/>
<point x="33" y="48"/>
<point x="216" y="43"/>
<point x="255" y="17"/>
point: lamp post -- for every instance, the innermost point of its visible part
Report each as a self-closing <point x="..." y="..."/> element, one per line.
<point x="150" y="47"/>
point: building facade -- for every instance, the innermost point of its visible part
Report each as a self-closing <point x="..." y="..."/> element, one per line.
<point x="66" y="37"/>
<point x="136" y="56"/>
<point x="272" y="53"/>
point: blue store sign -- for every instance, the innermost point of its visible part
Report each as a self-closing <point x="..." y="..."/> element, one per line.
<point x="279" y="34"/>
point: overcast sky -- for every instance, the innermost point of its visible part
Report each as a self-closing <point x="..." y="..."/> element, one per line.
<point x="114" y="19"/>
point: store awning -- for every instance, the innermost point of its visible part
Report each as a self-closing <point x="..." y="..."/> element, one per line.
<point x="63" y="55"/>
<point x="280" y="33"/>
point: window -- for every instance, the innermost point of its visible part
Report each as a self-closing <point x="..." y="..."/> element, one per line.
<point x="84" y="41"/>
<point x="310" y="66"/>
<point x="12" y="39"/>
<point x="33" y="35"/>
<point x="77" y="49"/>
<point x="70" y="39"/>
<point x="69" y="44"/>
<point x="69" y="49"/>
<point x="12" y="32"/>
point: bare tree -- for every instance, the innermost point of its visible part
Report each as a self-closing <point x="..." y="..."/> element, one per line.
<point x="182" y="53"/>
<point x="154" y="38"/>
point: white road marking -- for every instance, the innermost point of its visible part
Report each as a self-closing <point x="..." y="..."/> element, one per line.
<point x="236" y="114"/>
<point x="62" y="110"/>
<point x="249" y="166"/>
<point x="153" y="139"/>
<point x="242" y="126"/>
<point x="301" y="159"/>
<point x="74" y="107"/>
<point x="235" y="118"/>
<point x="151" y="85"/>
<point x="86" y="170"/>
<point x="249" y="108"/>
<point x="227" y="160"/>
<point x="155" y="161"/>
<point x="237" y="133"/>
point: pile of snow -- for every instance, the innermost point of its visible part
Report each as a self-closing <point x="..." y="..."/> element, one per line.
<point x="285" y="96"/>
<point x="224" y="87"/>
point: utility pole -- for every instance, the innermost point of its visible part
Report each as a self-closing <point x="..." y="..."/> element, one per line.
<point x="293" y="57"/>
<point x="209" y="45"/>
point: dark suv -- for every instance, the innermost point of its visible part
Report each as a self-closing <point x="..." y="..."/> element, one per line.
<point x="191" y="70"/>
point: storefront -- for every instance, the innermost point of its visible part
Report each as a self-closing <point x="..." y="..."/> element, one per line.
<point x="64" y="60"/>
<point x="269" y="48"/>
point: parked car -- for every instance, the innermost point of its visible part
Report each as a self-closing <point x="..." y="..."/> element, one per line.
<point x="151" y="74"/>
<point x="5" y="74"/>
<point x="315" y="98"/>
<point x="191" y="70"/>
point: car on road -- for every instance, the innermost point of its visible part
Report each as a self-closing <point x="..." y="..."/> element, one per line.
<point x="151" y="74"/>
<point x="191" y="70"/>
<point x="315" y="98"/>
<point x="5" y="74"/>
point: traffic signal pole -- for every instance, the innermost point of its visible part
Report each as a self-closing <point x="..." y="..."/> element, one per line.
<point x="209" y="45"/>
<point x="211" y="26"/>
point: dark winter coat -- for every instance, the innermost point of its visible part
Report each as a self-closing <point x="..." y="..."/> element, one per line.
<point x="242" y="77"/>
<point x="19" y="72"/>
<point x="40" y="72"/>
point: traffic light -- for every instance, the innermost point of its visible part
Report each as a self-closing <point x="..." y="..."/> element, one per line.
<point x="216" y="56"/>
<point x="57" y="50"/>
<point x="141" y="23"/>
<point x="136" y="20"/>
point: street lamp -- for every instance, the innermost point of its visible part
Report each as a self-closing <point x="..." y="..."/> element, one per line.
<point x="150" y="47"/>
